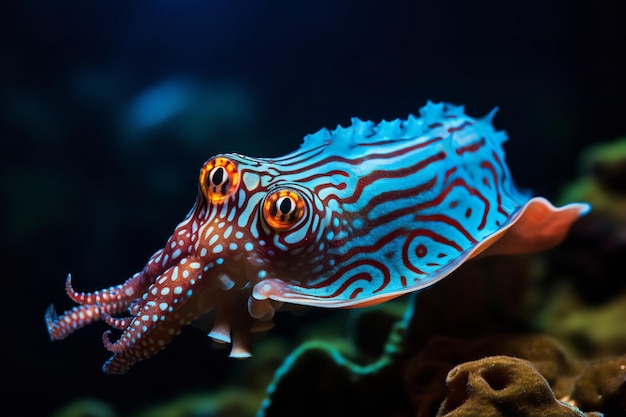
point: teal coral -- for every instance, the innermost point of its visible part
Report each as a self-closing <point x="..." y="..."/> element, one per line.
<point x="332" y="372"/>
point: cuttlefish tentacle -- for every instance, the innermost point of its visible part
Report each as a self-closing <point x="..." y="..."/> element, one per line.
<point x="168" y="293"/>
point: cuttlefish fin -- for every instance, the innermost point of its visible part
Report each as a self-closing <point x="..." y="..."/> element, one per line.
<point x="537" y="226"/>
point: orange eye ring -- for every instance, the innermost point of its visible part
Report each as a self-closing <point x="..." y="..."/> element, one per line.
<point x="283" y="208"/>
<point x="219" y="179"/>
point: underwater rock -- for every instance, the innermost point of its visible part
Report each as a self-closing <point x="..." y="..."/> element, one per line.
<point x="426" y="372"/>
<point x="497" y="375"/>
<point x="501" y="386"/>
<point x="602" y="386"/>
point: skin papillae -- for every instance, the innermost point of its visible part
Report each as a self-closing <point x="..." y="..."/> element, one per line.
<point x="354" y="217"/>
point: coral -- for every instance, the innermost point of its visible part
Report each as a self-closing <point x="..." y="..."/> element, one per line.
<point x="602" y="386"/>
<point x="496" y="375"/>
<point x="320" y="376"/>
<point x="426" y="371"/>
<point x="335" y="379"/>
<point x="501" y="386"/>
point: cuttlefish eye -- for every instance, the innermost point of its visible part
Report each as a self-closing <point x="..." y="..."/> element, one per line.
<point x="282" y="209"/>
<point x="219" y="179"/>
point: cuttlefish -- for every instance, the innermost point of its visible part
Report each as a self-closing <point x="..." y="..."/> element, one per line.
<point x="356" y="216"/>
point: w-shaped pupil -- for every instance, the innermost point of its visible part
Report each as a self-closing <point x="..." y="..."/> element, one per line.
<point x="285" y="206"/>
<point x="218" y="176"/>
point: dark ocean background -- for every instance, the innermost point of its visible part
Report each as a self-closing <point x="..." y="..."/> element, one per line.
<point x="108" y="110"/>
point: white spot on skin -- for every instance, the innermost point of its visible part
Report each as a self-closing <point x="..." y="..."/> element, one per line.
<point x="203" y="252"/>
<point x="185" y="273"/>
<point x="176" y="253"/>
<point x="248" y="246"/>
<point x="165" y="291"/>
<point x="238" y="235"/>
<point x="174" y="274"/>
<point x="218" y="249"/>
<point x="213" y="240"/>
<point x="250" y="180"/>
<point x="226" y="282"/>
<point x="194" y="265"/>
<point x="163" y="306"/>
<point x="178" y="290"/>
<point x="233" y="246"/>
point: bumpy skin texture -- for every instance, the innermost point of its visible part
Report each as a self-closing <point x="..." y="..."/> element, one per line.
<point x="355" y="217"/>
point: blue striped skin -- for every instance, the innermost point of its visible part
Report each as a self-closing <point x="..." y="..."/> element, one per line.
<point x="351" y="227"/>
<point x="354" y="217"/>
